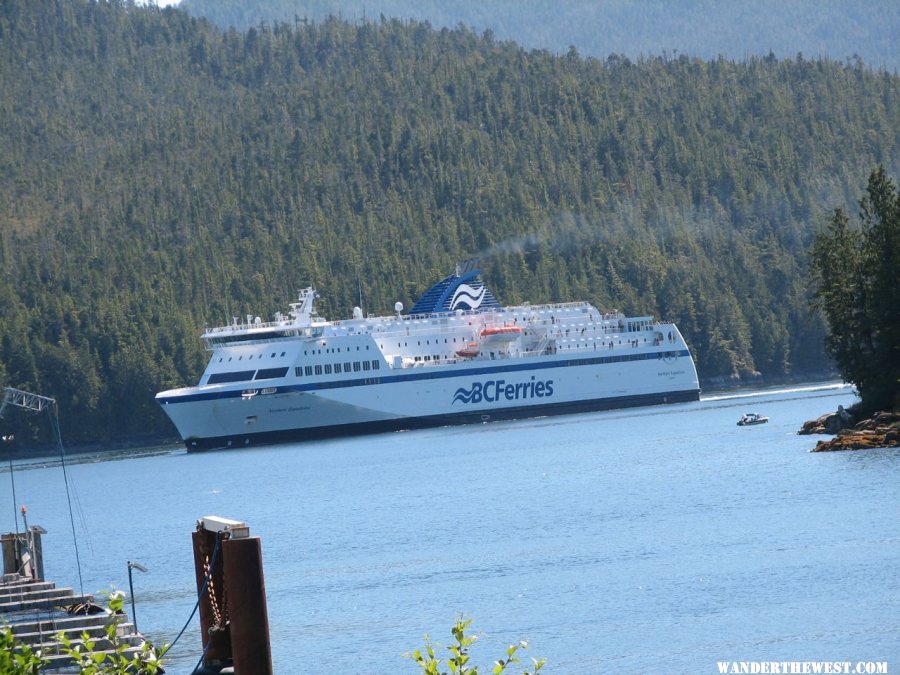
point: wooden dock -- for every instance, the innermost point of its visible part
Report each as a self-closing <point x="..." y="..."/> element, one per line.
<point x="38" y="613"/>
<point x="231" y="598"/>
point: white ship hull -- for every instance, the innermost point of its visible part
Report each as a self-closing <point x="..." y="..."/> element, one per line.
<point x="568" y="358"/>
<point x="221" y="417"/>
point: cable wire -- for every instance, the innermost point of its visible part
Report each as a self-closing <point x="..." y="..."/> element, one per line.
<point x="12" y="480"/>
<point x="206" y="578"/>
<point x="54" y="421"/>
<point x="202" y="656"/>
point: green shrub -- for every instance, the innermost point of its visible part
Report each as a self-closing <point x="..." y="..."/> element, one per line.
<point x="459" y="655"/>
<point x="114" y="661"/>
<point x="17" y="658"/>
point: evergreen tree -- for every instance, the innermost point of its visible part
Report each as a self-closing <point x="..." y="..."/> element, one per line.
<point x="857" y="278"/>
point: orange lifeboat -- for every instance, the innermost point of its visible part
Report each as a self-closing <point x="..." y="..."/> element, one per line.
<point x="470" y="351"/>
<point x="501" y="333"/>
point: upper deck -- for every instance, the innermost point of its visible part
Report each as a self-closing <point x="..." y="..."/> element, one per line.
<point x="463" y="325"/>
<point x="310" y="327"/>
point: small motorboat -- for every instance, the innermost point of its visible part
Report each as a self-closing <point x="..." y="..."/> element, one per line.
<point x="750" y="419"/>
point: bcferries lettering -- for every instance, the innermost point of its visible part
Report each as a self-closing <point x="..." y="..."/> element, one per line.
<point x="491" y="391"/>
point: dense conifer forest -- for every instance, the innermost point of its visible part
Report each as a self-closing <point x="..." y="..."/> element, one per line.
<point x="158" y="174"/>
<point x="838" y="29"/>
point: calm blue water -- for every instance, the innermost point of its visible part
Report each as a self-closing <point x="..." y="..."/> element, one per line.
<point x="653" y="540"/>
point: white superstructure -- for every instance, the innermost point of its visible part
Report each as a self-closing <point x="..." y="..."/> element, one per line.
<point x="457" y="357"/>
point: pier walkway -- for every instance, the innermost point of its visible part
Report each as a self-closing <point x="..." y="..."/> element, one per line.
<point x="38" y="613"/>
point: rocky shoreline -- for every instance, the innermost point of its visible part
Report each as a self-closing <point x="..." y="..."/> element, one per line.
<point x="881" y="430"/>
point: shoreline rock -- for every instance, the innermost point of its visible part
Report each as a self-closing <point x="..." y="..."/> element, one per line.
<point x="882" y="430"/>
<point x="829" y="423"/>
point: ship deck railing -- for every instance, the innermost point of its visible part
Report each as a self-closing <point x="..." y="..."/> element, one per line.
<point x="589" y="345"/>
<point x="406" y="325"/>
<point x="287" y="323"/>
<point x="550" y="325"/>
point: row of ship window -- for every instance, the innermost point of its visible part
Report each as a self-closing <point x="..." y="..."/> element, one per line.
<point x="336" y="368"/>
<point x="246" y="375"/>
<point x="241" y="358"/>
<point x="328" y="350"/>
<point x="427" y="342"/>
<point x="299" y="371"/>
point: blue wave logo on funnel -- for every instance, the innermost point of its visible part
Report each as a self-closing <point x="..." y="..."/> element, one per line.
<point x="468" y="295"/>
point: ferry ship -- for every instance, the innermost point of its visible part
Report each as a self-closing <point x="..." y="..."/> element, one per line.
<point x="457" y="357"/>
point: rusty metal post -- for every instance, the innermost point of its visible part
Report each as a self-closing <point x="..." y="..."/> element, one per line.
<point x="37" y="552"/>
<point x="216" y="642"/>
<point x="10" y="545"/>
<point x="246" y="589"/>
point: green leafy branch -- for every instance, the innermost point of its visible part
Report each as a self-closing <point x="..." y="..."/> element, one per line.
<point x="458" y="662"/>
<point x="120" y="659"/>
<point x="18" y="658"/>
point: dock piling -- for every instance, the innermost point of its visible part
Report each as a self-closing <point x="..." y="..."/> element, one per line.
<point x="234" y="621"/>
<point x="246" y="589"/>
<point x="10" y="544"/>
<point x="23" y="553"/>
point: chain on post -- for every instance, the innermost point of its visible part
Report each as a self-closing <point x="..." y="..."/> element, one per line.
<point x="220" y="612"/>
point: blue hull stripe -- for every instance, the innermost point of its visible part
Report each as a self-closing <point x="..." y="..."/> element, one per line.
<point x="467" y="417"/>
<point x="441" y="373"/>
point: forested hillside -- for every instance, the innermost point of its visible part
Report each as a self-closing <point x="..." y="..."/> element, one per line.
<point x="157" y="175"/>
<point x="836" y="29"/>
